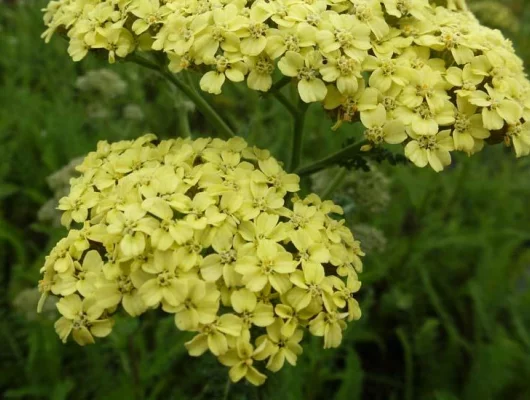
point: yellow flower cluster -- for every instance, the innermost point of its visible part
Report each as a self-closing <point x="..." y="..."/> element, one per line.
<point x="203" y="230"/>
<point x="430" y="78"/>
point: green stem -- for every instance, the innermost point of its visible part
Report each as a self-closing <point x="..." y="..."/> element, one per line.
<point x="227" y="389"/>
<point x="298" y="137"/>
<point x="184" y="122"/>
<point x="285" y="102"/>
<point x="331" y="159"/>
<point x="409" y="364"/>
<point x="334" y="184"/>
<point x="437" y="303"/>
<point x="202" y="105"/>
<point x="135" y="368"/>
<point x="280" y="83"/>
<point x="520" y="329"/>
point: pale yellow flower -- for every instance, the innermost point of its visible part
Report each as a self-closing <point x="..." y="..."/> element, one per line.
<point x="468" y="133"/>
<point x="433" y="150"/>
<point x="296" y="39"/>
<point x="382" y="129"/>
<point x="241" y="362"/>
<point x="213" y="336"/>
<point x="251" y="312"/>
<point x="519" y="136"/>
<point x="330" y="325"/>
<point x="271" y="264"/>
<point x="387" y="72"/>
<point x="423" y="120"/>
<point x="199" y="305"/>
<point x="464" y="79"/>
<point x="306" y="69"/>
<point x="280" y="348"/>
<point x="344" y="32"/>
<point x="82" y="318"/>
<point x="81" y="278"/>
<point x="229" y="65"/>
<point x="261" y="68"/>
<point x="497" y="108"/>
<point x="369" y="12"/>
<point x="165" y="286"/>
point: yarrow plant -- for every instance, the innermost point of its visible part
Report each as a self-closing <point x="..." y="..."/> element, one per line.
<point x="430" y="78"/>
<point x="211" y="231"/>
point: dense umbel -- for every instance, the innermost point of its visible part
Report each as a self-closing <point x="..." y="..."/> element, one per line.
<point x="430" y="78"/>
<point x="212" y="232"/>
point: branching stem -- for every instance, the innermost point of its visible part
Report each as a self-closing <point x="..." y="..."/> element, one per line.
<point x="298" y="136"/>
<point x="332" y="159"/>
<point x="203" y="106"/>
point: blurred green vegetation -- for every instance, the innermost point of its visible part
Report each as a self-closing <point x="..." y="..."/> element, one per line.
<point x="446" y="305"/>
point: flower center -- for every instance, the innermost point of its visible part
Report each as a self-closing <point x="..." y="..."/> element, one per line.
<point x="298" y="221"/>
<point x="257" y="30"/>
<point x="514" y="130"/>
<point x="403" y="6"/>
<point x="264" y="66"/>
<point x="124" y="284"/>
<point x="267" y="266"/>
<point x="424" y="112"/>
<point x="313" y="19"/>
<point x="222" y="63"/>
<point x="307" y="73"/>
<point x="428" y="142"/>
<point x="344" y="37"/>
<point x="424" y="90"/>
<point x="461" y="122"/>
<point x="81" y="321"/>
<point x="218" y="34"/>
<point x="363" y="12"/>
<point x="388" y="67"/>
<point x="314" y="290"/>
<point x="292" y="43"/>
<point x="164" y="278"/>
<point x="468" y="86"/>
<point x="347" y="66"/>
<point x="450" y="37"/>
<point x="375" y="134"/>
<point x="228" y="257"/>
<point x="389" y="103"/>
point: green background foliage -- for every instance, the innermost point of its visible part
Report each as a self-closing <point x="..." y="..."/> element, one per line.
<point x="446" y="306"/>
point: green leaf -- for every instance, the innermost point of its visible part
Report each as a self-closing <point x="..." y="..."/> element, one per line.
<point x="444" y="396"/>
<point x="11" y="235"/>
<point x="352" y="378"/>
<point x="32" y="391"/>
<point x="62" y="390"/>
<point x="426" y="337"/>
<point x="7" y="189"/>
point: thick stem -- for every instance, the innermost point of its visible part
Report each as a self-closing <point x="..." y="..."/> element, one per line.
<point x="285" y="102"/>
<point x="298" y="137"/>
<point x="331" y="159"/>
<point x="280" y="84"/>
<point x="202" y="105"/>
<point x="298" y="115"/>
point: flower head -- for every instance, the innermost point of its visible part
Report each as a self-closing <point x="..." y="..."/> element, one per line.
<point x="416" y="59"/>
<point x="203" y="230"/>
